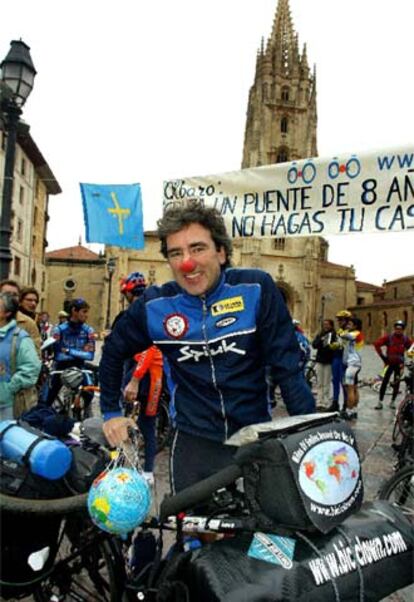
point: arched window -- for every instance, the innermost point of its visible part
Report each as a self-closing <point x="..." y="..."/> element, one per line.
<point x="369" y="319"/>
<point x="285" y="93"/>
<point x="284" y="125"/>
<point x="385" y="319"/>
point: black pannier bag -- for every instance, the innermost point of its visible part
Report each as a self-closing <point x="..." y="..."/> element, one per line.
<point x="305" y="474"/>
<point x="27" y="540"/>
<point x="86" y="466"/>
<point x="366" y="558"/>
<point x="30" y="539"/>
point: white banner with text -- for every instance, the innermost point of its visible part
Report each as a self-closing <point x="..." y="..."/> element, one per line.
<point x="367" y="192"/>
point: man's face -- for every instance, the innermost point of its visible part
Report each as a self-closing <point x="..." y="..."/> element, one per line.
<point x="11" y="289"/>
<point x="195" y="242"/>
<point x="79" y="315"/>
<point x="398" y="330"/>
<point x="29" y="302"/>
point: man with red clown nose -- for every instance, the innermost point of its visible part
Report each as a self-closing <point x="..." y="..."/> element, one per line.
<point x="219" y="328"/>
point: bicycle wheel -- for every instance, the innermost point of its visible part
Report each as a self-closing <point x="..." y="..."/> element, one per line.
<point x="397" y="435"/>
<point x="405" y="416"/>
<point x="88" y="566"/>
<point x="399" y="490"/>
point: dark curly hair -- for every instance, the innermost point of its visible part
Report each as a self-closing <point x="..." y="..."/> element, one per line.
<point x="178" y="217"/>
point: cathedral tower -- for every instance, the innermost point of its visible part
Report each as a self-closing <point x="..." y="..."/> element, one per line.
<point x="281" y="115"/>
<point x="281" y="126"/>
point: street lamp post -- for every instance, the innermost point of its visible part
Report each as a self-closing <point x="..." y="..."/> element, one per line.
<point x="17" y="77"/>
<point x="111" y="265"/>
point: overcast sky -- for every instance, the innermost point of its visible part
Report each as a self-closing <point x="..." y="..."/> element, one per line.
<point x="134" y="91"/>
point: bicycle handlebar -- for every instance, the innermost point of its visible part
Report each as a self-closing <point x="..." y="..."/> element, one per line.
<point x="197" y="493"/>
<point x="61" y="506"/>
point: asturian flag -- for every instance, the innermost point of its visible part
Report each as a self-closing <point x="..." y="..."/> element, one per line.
<point x="113" y="214"/>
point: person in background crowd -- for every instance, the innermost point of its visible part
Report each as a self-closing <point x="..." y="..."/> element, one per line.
<point x="304" y="345"/>
<point x="219" y="328"/>
<point x="324" y="356"/>
<point x="23" y="320"/>
<point x="143" y="378"/>
<point x="29" y="300"/>
<point x="19" y="362"/>
<point x="74" y="344"/>
<point x="353" y="342"/>
<point x="45" y="327"/>
<point x="391" y="349"/>
<point x="62" y="316"/>
<point x="338" y="366"/>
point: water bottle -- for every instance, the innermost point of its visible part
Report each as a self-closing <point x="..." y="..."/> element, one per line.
<point x="49" y="458"/>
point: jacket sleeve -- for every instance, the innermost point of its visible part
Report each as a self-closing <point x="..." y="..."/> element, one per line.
<point x="144" y="361"/>
<point x="129" y="336"/>
<point x="27" y="366"/>
<point x="317" y="342"/>
<point x="281" y="350"/>
<point x="88" y="352"/>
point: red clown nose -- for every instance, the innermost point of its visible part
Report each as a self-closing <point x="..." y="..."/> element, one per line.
<point x="188" y="265"/>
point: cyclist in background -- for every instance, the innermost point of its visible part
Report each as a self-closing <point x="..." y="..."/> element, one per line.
<point x="324" y="356"/>
<point x="143" y="378"/>
<point x="62" y="316"/>
<point x="353" y="342"/>
<point x="338" y="367"/>
<point x="391" y="349"/>
<point x="74" y="344"/>
<point x="45" y="325"/>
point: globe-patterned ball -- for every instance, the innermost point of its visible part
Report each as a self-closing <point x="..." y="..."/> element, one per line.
<point x="119" y="500"/>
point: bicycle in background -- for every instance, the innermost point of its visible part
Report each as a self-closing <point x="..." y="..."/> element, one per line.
<point x="399" y="488"/>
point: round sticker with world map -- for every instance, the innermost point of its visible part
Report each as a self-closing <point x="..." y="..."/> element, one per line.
<point x="329" y="472"/>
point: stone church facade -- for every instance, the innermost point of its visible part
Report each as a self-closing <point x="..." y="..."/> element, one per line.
<point x="281" y="125"/>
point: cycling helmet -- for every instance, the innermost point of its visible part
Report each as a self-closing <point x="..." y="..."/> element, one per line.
<point x="343" y="313"/>
<point x="400" y="323"/>
<point x="134" y="283"/>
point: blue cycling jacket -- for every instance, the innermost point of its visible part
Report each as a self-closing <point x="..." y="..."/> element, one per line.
<point x="75" y="343"/>
<point x="217" y="347"/>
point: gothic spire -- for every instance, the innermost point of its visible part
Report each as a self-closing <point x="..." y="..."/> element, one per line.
<point x="283" y="41"/>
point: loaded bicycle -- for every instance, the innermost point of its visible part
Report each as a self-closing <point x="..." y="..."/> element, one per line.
<point x="278" y="543"/>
